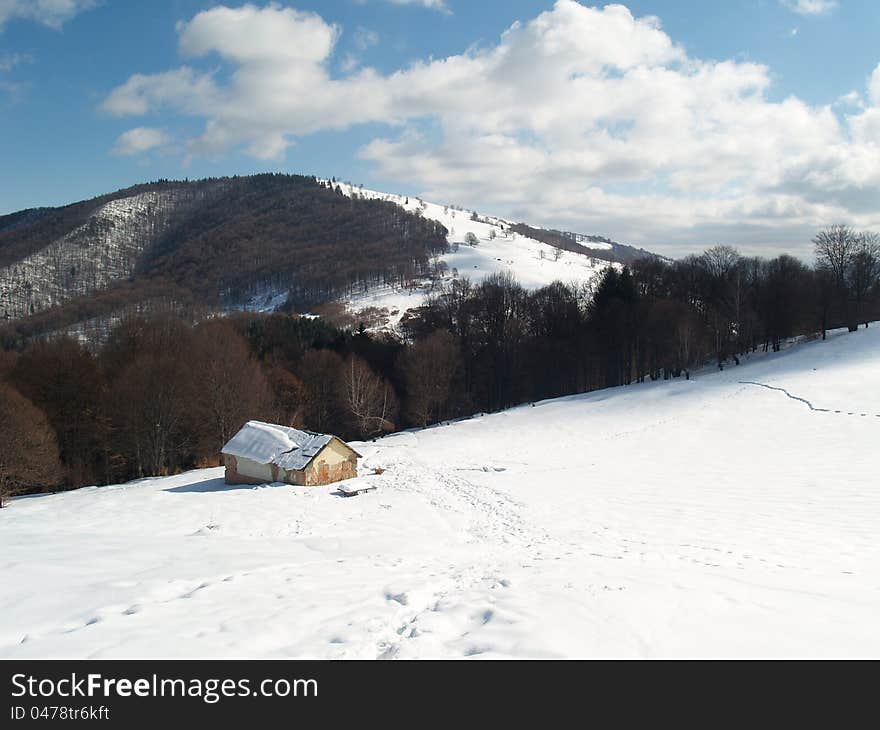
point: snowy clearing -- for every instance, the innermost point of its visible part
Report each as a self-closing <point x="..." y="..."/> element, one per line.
<point x="735" y="514"/>
<point x="533" y="263"/>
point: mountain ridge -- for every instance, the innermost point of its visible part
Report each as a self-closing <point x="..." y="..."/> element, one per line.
<point x="290" y="239"/>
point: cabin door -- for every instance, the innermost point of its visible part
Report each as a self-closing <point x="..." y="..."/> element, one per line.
<point x="324" y="473"/>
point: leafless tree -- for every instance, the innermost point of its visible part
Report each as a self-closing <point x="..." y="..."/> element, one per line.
<point x="321" y="373"/>
<point x="369" y="397"/>
<point x="720" y="261"/>
<point x="722" y="295"/>
<point x="29" y="459"/>
<point x="864" y="273"/>
<point x="288" y="394"/>
<point x="230" y="387"/>
<point x="429" y="367"/>
<point x="835" y="250"/>
<point x="151" y="403"/>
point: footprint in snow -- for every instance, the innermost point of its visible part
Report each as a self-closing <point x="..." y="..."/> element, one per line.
<point x="400" y="598"/>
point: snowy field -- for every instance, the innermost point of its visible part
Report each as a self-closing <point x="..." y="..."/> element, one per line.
<point x="533" y="263"/>
<point x="701" y="518"/>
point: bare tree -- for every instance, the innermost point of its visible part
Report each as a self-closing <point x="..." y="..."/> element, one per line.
<point x="836" y="248"/>
<point x="722" y="288"/>
<point x="369" y="397"/>
<point x="864" y="274"/>
<point x="438" y="269"/>
<point x="151" y="405"/>
<point x="63" y="380"/>
<point x="29" y="459"/>
<point x="230" y="387"/>
<point x="686" y="334"/>
<point x="288" y="394"/>
<point x="824" y="294"/>
<point x="428" y="368"/>
<point x="321" y="371"/>
<point x="720" y="261"/>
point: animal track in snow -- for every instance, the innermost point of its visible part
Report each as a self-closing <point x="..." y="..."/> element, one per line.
<point x="804" y="400"/>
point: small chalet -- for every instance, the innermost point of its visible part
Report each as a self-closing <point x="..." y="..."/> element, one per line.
<point x="264" y="452"/>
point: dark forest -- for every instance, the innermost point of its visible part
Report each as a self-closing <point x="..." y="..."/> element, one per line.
<point x="166" y="391"/>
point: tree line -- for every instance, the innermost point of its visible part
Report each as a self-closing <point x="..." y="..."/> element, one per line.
<point x="165" y="392"/>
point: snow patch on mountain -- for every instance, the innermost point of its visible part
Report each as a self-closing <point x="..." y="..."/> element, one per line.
<point x="105" y="249"/>
<point x="480" y="246"/>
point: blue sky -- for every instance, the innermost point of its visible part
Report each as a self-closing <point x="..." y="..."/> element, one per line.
<point x="717" y="122"/>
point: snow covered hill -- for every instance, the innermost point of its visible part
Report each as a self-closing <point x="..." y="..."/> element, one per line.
<point x="735" y="514"/>
<point x="495" y="248"/>
<point x="259" y="243"/>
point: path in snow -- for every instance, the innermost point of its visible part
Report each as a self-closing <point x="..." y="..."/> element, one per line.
<point x="804" y="400"/>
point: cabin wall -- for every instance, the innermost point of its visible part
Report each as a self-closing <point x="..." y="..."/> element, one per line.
<point x="245" y="471"/>
<point x="319" y="472"/>
<point x="296" y="477"/>
<point x="335" y="463"/>
<point x="336" y="453"/>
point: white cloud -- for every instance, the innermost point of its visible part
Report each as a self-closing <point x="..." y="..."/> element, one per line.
<point x="10" y="90"/>
<point x="349" y="63"/>
<point x="139" y="140"/>
<point x="850" y="99"/>
<point x="53" y="13"/>
<point x="874" y="87"/>
<point x="256" y="35"/>
<point x="583" y="117"/>
<point x="365" y="38"/>
<point x="9" y="61"/>
<point x="811" y="7"/>
<point x="430" y="4"/>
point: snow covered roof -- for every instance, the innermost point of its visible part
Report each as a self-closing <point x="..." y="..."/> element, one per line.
<point x="269" y="443"/>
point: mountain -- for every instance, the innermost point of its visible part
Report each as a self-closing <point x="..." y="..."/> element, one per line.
<point x="210" y="243"/>
<point x="482" y="245"/>
<point x="598" y="247"/>
<point x="262" y="242"/>
<point x="631" y="522"/>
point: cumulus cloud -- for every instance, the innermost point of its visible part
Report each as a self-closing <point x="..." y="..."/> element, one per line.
<point x="811" y="7"/>
<point x="139" y="140"/>
<point x="53" y="13"/>
<point x="584" y="117"/>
